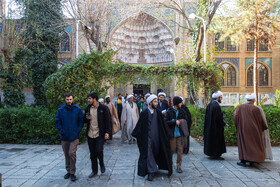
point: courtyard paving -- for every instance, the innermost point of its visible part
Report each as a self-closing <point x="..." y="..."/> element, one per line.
<point x="43" y="165"/>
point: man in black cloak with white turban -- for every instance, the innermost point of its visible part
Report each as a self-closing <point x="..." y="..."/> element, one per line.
<point x="153" y="137"/>
<point x="214" y="140"/>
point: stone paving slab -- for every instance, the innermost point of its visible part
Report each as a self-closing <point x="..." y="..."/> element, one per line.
<point x="43" y="166"/>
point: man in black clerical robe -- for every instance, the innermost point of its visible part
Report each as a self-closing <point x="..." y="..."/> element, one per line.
<point x="214" y="140"/>
<point x="153" y="137"/>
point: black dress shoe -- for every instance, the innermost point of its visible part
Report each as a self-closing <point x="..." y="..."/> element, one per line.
<point x="251" y="163"/>
<point x="219" y="158"/>
<point x="216" y="158"/>
<point x="73" y="177"/>
<point x="243" y="164"/>
<point x="67" y="176"/>
<point x="150" y="177"/>
<point x="186" y="151"/>
<point x="93" y="174"/>
<point x="103" y="169"/>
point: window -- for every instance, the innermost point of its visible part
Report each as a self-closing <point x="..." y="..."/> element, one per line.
<point x="262" y="76"/>
<point x="263" y="46"/>
<point x="250" y="74"/>
<point x="229" y="99"/>
<point x="231" y="76"/>
<point x="228" y="75"/>
<point x="220" y="45"/>
<point x="224" y="45"/>
<point x="230" y="46"/>
<point x="223" y="76"/>
<point x="65" y="43"/>
<point x="250" y="45"/>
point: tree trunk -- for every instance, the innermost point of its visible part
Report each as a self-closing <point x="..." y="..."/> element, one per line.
<point x="199" y="44"/>
<point x="205" y="95"/>
<point x="256" y="70"/>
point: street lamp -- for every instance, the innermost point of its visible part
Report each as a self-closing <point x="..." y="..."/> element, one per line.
<point x="77" y="37"/>
<point x="193" y="16"/>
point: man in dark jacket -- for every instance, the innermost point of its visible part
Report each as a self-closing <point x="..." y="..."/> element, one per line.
<point x="152" y="136"/>
<point x="119" y="106"/>
<point x="162" y="103"/>
<point x="99" y="128"/>
<point x="69" y="123"/>
<point x="172" y="117"/>
<point x="214" y="140"/>
<point x="142" y="105"/>
<point x="189" y="121"/>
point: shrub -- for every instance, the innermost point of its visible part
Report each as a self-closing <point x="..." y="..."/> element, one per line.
<point x="273" y="119"/>
<point x="271" y="113"/>
<point x="29" y="125"/>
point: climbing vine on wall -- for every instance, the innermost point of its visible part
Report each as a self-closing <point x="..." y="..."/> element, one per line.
<point x="98" y="71"/>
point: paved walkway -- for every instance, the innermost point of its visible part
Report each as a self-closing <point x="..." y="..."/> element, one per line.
<point x="43" y="165"/>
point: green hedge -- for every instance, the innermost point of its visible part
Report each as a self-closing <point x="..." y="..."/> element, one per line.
<point x="29" y="125"/>
<point x="35" y="125"/>
<point x="272" y="115"/>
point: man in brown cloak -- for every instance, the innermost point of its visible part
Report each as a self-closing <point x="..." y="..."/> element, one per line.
<point x="249" y="127"/>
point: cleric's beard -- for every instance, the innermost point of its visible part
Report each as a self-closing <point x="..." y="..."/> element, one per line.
<point x="153" y="106"/>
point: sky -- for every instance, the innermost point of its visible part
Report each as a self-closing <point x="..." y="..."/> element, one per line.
<point x="11" y="5"/>
<point x="226" y="4"/>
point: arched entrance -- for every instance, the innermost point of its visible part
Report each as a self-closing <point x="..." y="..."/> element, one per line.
<point x="142" y="39"/>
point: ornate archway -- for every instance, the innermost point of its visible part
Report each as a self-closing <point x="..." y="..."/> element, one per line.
<point x="143" y="39"/>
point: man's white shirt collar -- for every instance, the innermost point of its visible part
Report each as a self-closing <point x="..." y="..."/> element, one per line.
<point x="151" y="110"/>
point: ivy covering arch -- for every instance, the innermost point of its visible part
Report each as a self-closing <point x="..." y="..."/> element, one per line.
<point x="96" y="72"/>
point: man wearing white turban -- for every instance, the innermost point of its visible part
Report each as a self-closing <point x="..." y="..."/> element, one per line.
<point x="114" y="115"/>
<point x="101" y="101"/>
<point x="250" y="125"/>
<point x="153" y="137"/>
<point x="162" y="103"/>
<point x="130" y="116"/>
<point x="214" y="140"/>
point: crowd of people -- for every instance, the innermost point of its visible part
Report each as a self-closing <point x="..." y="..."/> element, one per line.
<point x="160" y="128"/>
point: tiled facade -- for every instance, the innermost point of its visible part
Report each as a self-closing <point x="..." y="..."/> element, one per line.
<point x="242" y="61"/>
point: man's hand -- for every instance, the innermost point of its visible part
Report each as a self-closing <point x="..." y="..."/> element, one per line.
<point x="88" y="117"/>
<point x="177" y="122"/>
<point x="124" y="122"/>
<point x="107" y="136"/>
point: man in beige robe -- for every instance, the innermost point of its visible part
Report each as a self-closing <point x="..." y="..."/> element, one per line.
<point x="114" y="115"/>
<point x="130" y="116"/>
<point x="266" y="139"/>
<point x="249" y="127"/>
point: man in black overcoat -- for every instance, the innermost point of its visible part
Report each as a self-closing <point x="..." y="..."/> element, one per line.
<point x="153" y="137"/>
<point x="214" y="140"/>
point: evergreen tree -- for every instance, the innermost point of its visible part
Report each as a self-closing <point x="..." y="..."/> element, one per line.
<point x="44" y="24"/>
